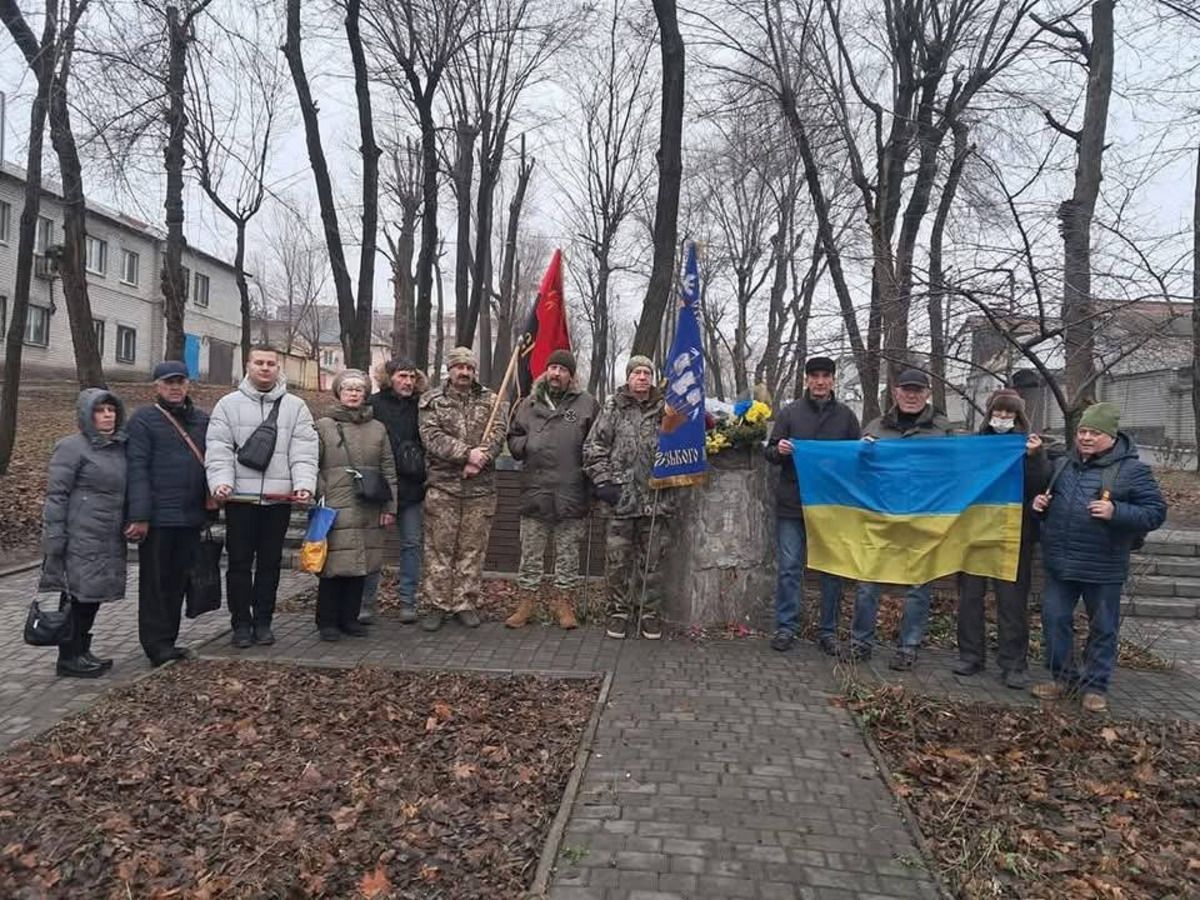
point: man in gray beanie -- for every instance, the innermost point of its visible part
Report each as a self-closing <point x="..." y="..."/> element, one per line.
<point x="547" y="435"/>
<point x="619" y="458"/>
<point x="460" y="498"/>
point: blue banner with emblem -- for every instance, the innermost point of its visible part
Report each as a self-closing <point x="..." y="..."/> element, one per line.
<point x="680" y="460"/>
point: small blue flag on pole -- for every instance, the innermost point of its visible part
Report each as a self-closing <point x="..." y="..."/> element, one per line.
<point x="680" y="459"/>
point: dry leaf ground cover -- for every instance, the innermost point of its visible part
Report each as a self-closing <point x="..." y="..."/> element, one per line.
<point x="221" y="779"/>
<point x="1021" y="803"/>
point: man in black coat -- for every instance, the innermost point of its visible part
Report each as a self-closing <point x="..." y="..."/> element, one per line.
<point x="401" y="384"/>
<point x="166" y="495"/>
<point x="817" y="416"/>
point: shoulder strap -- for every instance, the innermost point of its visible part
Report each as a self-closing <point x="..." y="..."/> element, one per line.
<point x="183" y="434"/>
<point x="273" y="415"/>
<point x="1108" y="478"/>
<point x="1059" y="465"/>
<point x="342" y="441"/>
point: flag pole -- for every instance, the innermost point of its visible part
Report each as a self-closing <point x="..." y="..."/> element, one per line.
<point x="503" y="389"/>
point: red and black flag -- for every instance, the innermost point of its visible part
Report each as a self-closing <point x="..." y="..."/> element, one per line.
<point x="546" y="327"/>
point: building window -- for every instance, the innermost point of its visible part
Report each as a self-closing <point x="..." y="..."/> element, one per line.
<point x="37" y="326"/>
<point x="45" y="235"/>
<point x="5" y="220"/>
<point x="99" y="323"/>
<point x="126" y="344"/>
<point x="3" y="317"/>
<point x="187" y="280"/>
<point x="129" y="267"/>
<point x="97" y="255"/>
<point x="201" y="292"/>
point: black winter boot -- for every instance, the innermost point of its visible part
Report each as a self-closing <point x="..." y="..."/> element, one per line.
<point x="87" y="654"/>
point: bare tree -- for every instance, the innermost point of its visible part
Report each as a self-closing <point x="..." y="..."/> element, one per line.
<point x="296" y="272"/>
<point x="404" y="187"/>
<point x="506" y="301"/>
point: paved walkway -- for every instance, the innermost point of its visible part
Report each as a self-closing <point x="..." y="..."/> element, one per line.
<point x="718" y="769"/>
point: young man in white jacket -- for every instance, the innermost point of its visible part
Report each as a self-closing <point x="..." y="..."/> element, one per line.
<point x="258" y="503"/>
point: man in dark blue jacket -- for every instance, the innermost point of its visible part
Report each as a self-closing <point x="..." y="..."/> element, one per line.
<point x="816" y="416"/>
<point x="1101" y="501"/>
<point x="166" y="495"/>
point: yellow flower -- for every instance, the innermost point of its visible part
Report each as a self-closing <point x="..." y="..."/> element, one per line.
<point x="758" y="412"/>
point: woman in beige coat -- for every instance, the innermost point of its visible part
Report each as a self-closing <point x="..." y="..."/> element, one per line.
<point x="352" y="443"/>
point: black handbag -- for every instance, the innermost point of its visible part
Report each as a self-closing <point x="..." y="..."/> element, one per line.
<point x="202" y="591"/>
<point x="256" y="453"/>
<point x="48" y="628"/>
<point x="369" y="484"/>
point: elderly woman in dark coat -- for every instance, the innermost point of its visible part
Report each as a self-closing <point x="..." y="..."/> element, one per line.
<point x="84" y="527"/>
<point x="352" y="441"/>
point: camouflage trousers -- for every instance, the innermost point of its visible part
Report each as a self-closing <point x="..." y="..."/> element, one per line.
<point x="456" y="541"/>
<point x="631" y="551"/>
<point x="567" y="536"/>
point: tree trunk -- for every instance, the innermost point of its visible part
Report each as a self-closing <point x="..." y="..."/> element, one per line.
<point x="506" y="323"/>
<point x="670" y="175"/>
<point x="1195" y="308"/>
<point x="464" y="175"/>
<point x="441" y="327"/>
<point x="429" y="239"/>
<point x="14" y="341"/>
<point x="88" y="367"/>
<point x="597" y="374"/>
<point x="239" y="266"/>
<point x="358" y="347"/>
<point x="402" y="286"/>
<point x="937" y="275"/>
<point x="173" y="288"/>
<point x="1075" y="216"/>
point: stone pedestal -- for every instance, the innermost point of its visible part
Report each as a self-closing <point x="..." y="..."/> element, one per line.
<point x="721" y="568"/>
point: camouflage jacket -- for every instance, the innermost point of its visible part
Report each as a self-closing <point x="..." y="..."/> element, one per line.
<point x="451" y="424"/>
<point x="620" y="450"/>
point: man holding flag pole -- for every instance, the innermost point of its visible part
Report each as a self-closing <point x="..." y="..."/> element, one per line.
<point x="648" y="439"/>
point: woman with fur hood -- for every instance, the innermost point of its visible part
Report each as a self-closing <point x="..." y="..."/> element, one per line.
<point x="1005" y="414"/>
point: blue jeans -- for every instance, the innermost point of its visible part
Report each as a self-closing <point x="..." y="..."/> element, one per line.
<point x="789" y="587"/>
<point x="912" y="626"/>
<point x="409" y="520"/>
<point x="1103" y="605"/>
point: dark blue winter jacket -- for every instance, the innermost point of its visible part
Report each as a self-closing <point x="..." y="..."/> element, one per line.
<point x="167" y="485"/>
<point x="1077" y="547"/>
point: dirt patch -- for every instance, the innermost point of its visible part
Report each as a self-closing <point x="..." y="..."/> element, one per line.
<point x="1181" y="490"/>
<point x="221" y="779"/>
<point x="45" y="414"/>
<point x="1041" y="803"/>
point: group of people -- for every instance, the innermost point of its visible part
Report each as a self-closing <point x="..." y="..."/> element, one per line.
<point x="1089" y="507"/>
<point x="423" y="459"/>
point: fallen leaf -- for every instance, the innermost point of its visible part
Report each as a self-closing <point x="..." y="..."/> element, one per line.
<point x="375" y="884"/>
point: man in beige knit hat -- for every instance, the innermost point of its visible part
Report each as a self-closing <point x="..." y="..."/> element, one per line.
<point x="460" y="499"/>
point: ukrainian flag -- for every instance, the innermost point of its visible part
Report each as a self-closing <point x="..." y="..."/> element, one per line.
<point x="908" y="511"/>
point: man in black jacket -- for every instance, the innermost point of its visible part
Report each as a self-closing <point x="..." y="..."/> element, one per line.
<point x="401" y="384"/>
<point x="166" y="495"/>
<point x="816" y="416"/>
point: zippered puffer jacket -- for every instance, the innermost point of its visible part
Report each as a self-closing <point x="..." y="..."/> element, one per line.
<point x="1078" y="547"/>
<point x="167" y="484"/>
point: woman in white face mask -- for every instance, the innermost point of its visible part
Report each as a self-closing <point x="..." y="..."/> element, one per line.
<point x="1005" y="414"/>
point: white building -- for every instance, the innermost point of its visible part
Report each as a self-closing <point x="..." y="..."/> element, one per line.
<point x="124" y="261"/>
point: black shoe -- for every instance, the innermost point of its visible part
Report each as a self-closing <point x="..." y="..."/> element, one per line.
<point x="263" y="635"/>
<point x="330" y="634"/>
<point x="903" y="661"/>
<point x="432" y="620"/>
<point x="467" y="618"/>
<point x="828" y="645"/>
<point x="966" y="667"/>
<point x="617" y="626"/>
<point x="243" y="637"/>
<point x="651" y="626"/>
<point x="1017" y="679"/>
<point x="78" y="667"/>
<point x="408" y="615"/>
<point x="170" y="653"/>
<point x="87" y="654"/>
<point x="854" y="653"/>
<point x="782" y="641"/>
<point x="356" y="629"/>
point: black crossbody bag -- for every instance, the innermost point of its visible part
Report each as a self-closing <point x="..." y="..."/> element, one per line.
<point x="369" y="484"/>
<point x="256" y="453"/>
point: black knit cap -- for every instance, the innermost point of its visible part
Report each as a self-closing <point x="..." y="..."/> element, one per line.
<point x="820" y="364"/>
<point x="564" y="358"/>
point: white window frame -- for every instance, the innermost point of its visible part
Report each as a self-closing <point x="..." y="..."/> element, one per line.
<point x="98" y="324"/>
<point x="44" y="235"/>
<point x="97" y="246"/>
<point x="5" y="220"/>
<point x="126" y="256"/>
<point x="187" y="281"/>
<point x="36" y="312"/>
<point x="122" y="331"/>
<point x="199" y="297"/>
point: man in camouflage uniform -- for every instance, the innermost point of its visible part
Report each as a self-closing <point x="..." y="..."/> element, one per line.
<point x="461" y="492"/>
<point x="619" y="458"/>
<point x="547" y="435"/>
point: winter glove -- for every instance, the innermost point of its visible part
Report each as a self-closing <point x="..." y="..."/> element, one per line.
<point x="608" y="493"/>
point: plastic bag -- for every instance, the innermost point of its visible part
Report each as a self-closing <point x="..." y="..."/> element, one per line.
<point x="316" y="546"/>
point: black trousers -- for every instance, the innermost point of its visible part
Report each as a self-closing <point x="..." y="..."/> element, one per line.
<point x="339" y="601"/>
<point x="164" y="560"/>
<point x="1012" y="616"/>
<point x="254" y="538"/>
<point x="83" y="616"/>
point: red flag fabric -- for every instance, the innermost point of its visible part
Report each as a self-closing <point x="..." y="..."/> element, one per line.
<point x="546" y="328"/>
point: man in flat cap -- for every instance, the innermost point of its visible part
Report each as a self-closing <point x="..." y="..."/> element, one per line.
<point x="547" y="435"/>
<point x="619" y="458"/>
<point x="816" y="416"/>
<point x="166" y="495"/>
<point x="911" y="416"/>
<point x="460" y="498"/>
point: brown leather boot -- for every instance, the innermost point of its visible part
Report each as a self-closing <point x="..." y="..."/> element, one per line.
<point x="524" y="610"/>
<point x="561" y="606"/>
